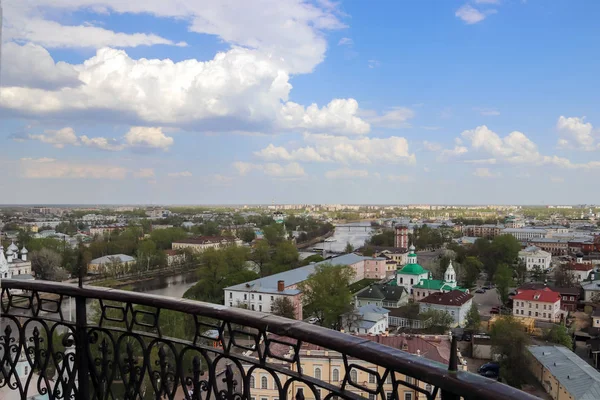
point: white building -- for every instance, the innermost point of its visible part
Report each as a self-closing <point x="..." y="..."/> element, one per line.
<point x="455" y="303"/>
<point x="13" y="266"/>
<point x="202" y="243"/>
<point x="535" y="257"/>
<point x="412" y="273"/>
<point x="543" y="304"/>
<point x="525" y="233"/>
<point x="368" y="319"/>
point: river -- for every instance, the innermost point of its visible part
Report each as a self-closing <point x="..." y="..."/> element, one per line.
<point x="356" y="233"/>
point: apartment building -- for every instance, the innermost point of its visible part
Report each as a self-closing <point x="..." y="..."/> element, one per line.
<point x="525" y="233"/>
<point x="542" y="304"/>
<point x="554" y="246"/>
<point x="200" y="244"/>
<point x="534" y="257"/>
<point x="488" y="231"/>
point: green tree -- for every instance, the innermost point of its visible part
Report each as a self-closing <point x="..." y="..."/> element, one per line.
<point x="440" y="321"/>
<point x="503" y="280"/>
<point x="563" y="277"/>
<point x="274" y="234"/>
<point x="326" y="294"/>
<point x="247" y="235"/>
<point x="46" y="264"/>
<point x="349" y="248"/>
<point x="520" y="271"/>
<point x="472" y="268"/>
<point x="165" y="237"/>
<point x="537" y="273"/>
<point x="283" y="307"/>
<point x="385" y="239"/>
<point x="473" y="318"/>
<point x="261" y="255"/>
<point x="285" y="256"/>
<point x="559" y="334"/>
<point x="368" y="251"/>
<point x="510" y="341"/>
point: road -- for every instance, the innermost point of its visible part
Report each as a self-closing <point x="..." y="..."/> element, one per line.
<point x="485" y="301"/>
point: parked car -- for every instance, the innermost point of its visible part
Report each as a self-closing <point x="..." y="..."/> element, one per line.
<point x="490" y="370"/>
<point x="312" y="320"/>
<point x="495" y="310"/>
<point x="486" y="287"/>
<point x="480" y="291"/>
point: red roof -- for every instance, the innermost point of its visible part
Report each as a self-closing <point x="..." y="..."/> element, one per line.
<point x="580" y="267"/>
<point x="545" y="295"/>
<point x="171" y="252"/>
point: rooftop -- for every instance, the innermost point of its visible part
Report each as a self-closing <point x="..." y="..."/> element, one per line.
<point x="545" y="295"/>
<point x="205" y="240"/>
<point x="111" y="258"/>
<point x="578" y="377"/>
<point x="453" y="298"/>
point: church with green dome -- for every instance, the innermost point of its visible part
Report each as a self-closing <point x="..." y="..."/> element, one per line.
<point x="420" y="283"/>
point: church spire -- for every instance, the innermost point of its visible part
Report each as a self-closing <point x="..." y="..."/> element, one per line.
<point x="450" y="276"/>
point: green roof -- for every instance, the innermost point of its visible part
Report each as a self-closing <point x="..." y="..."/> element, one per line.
<point x="435" y="284"/>
<point x="413" y="269"/>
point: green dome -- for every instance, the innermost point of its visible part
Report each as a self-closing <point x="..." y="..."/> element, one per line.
<point x="413" y="269"/>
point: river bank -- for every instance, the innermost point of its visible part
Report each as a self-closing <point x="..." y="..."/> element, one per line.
<point x="314" y="241"/>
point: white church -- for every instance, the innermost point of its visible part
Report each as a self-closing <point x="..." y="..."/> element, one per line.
<point x="14" y="265"/>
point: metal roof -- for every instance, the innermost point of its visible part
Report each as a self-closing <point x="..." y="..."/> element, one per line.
<point x="108" y="259"/>
<point x="578" y="377"/>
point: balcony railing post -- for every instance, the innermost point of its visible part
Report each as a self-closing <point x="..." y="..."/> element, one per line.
<point x="81" y="344"/>
<point x="452" y="368"/>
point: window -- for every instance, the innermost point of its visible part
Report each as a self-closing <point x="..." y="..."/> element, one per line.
<point x="530" y="313"/>
<point x="572" y="298"/>
<point x="452" y="312"/>
<point x="26" y="370"/>
<point x="260" y="297"/>
<point x="264" y="383"/>
<point x="407" y="395"/>
<point x="230" y="304"/>
<point x="411" y="281"/>
<point x="388" y="379"/>
<point x="428" y="387"/>
<point x="536" y="313"/>
<point x="544" y="306"/>
<point x="271" y="298"/>
<point x="536" y="306"/>
<point x="245" y="296"/>
<point x="544" y="315"/>
<point x="252" y="382"/>
<point x="371" y="378"/>
<point x="252" y="307"/>
<point x="409" y="379"/>
<point x="401" y="280"/>
<point x="335" y="375"/>
<point x="317" y="373"/>
<point x="264" y="398"/>
<point x="388" y="396"/>
<point x="371" y="396"/>
<point x="260" y="308"/>
<point x="230" y="295"/>
<point x="354" y="376"/>
<point x="252" y="296"/>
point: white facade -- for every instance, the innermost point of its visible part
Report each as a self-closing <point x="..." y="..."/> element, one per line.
<point x="14" y="263"/>
<point x="525" y="233"/>
<point x="544" y="311"/>
<point x="534" y="257"/>
<point x="458" y="313"/>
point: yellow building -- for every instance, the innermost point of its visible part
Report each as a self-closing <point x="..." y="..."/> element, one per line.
<point x="563" y="374"/>
<point x="328" y="366"/>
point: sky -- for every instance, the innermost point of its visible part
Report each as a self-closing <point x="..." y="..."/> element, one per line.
<point x="290" y="101"/>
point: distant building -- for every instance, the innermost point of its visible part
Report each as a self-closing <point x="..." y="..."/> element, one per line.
<point x="581" y="271"/>
<point x="488" y="231"/>
<point x="455" y="303"/>
<point x="401" y="236"/>
<point x="533" y="257"/>
<point x="542" y="304"/>
<point x="99" y="265"/>
<point x="368" y="319"/>
<point x="563" y="374"/>
<point x="174" y="257"/>
<point x="554" y="246"/>
<point x="429" y="286"/>
<point x="525" y="233"/>
<point x="200" y="244"/>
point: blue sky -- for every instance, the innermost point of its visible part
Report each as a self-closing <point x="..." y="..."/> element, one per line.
<point x="466" y="102"/>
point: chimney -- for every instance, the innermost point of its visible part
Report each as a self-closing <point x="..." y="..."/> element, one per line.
<point x="280" y="286"/>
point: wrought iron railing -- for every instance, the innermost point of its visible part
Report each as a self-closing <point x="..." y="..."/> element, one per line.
<point x="127" y="345"/>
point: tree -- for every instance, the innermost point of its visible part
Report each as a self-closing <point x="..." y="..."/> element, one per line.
<point x="559" y="334"/>
<point x="503" y="280"/>
<point x="46" y="265"/>
<point x="165" y="237"/>
<point x="385" y="239"/>
<point x="537" y="273"/>
<point x="261" y="255"/>
<point x="472" y="268"/>
<point x="440" y="321"/>
<point x="283" y="307"/>
<point x="349" y="248"/>
<point x="326" y="294"/>
<point x="285" y="256"/>
<point x="473" y="318"/>
<point x="520" y="271"/>
<point x="563" y="277"/>
<point x="510" y="341"/>
<point x="274" y="234"/>
<point x="247" y="235"/>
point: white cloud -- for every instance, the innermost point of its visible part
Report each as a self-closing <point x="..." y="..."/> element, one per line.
<point x="373" y="63"/>
<point x="394" y="117"/>
<point x="66" y="170"/>
<point x="487" y="112"/>
<point x="400" y="178"/>
<point x="147" y="137"/>
<point x="346" y="173"/>
<point x="482" y="161"/>
<point x="144" y="173"/>
<point x="182" y="174"/>
<point x="57" y="138"/>
<point x="576" y="133"/>
<point x="38" y="160"/>
<point x="136" y="138"/>
<point x="236" y="90"/>
<point x="290" y="31"/>
<point x="291" y="170"/>
<point x="344" y="150"/>
<point x="432" y="146"/>
<point x="345" y="42"/>
<point x="485" y="173"/>
<point x="32" y="66"/>
<point x="471" y="15"/>
<point x="451" y="153"/>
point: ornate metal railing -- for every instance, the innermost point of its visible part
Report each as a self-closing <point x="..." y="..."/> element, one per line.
<point x="127" y="345"/>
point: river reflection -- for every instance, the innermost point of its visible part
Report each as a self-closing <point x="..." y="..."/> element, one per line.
<point x="356" y="233"/>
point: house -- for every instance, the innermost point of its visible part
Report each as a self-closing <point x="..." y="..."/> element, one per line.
<point x="563" y="374"/>
<point x="456" y="303"/>
<point x="375" y="268"/>
<point x="429" y="286"/>
<point x="535" y="258"/>
<point x="412" y="273"/>
<point x="368" y="319"/>
<point x="382" y="295"/>
<point x="175" y="257"/>
<point x="596" y="318"/>
<point x="201" y="243"/>
<point x="569" y="296"/>
<point x="542" y="304"/>
<point x="581" y="271"/>
<point x="591" y="291"/>
<point x="99" y="265"/>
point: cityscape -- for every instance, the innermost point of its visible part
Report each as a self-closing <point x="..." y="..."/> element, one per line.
<point x="299" y="199"/>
